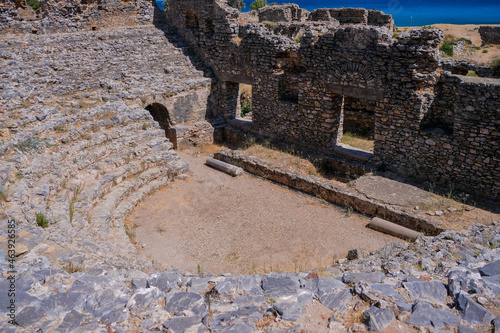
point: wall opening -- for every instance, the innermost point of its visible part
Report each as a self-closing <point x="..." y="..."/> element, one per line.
<point x="288" y="67"/>
<point x="357" y="125"/>
<point x="192" y="21"/>
<point x="359" y="116"/>
<point x="245" y="104"/>
<point x="161" y="115"/>
<point x="237" y="99"/>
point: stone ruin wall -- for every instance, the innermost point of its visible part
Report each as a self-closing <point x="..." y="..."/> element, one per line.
<point x="284" y="13"/>
<point x="490" y="34"/>
<point x="83" y="94"/>
<point x="348" y="16"/>
<point x="135" y="62"/>
<point x="77" y="119"/>
<point x="427" y="124"/>
<point x="74" y="15"/>
<point x="422" y="119"/>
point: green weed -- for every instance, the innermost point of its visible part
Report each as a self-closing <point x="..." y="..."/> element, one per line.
<point x="246" y="109"/>
<point x="41" y="220"/>
<point x="29" y="144"/>
<point x="447" y="48"/>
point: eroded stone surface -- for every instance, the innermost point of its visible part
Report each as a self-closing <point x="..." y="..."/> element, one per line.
<point x="79" y="147"/>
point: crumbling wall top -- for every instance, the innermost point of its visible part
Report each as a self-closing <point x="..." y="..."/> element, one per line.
<point x="73" y="15"/>
<point x="283" y="13"/>
<point x="429" y="38"/>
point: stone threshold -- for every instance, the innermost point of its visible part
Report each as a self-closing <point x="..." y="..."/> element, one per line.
<point x="338" y="194"/>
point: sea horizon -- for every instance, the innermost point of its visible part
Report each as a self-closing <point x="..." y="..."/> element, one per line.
<point x="417" y="12"/>
<point x="413" y="12"/>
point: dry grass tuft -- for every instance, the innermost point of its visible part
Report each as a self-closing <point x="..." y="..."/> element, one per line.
<point x="357" y="141"/>
<point x="282" y="159"/>
<point x="207" y="149"/>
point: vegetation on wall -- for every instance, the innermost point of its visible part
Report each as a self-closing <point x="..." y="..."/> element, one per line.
<point x="34" y="4"/>
<point x="238" y="4"/>
<point x="258" y="4"/>
<point x="164" y="5"/>
<point x="246" y="109"/>
<point x="495" y="66"/>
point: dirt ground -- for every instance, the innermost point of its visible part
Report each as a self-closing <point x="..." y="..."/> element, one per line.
<point x="214" y="223"/>
<point x="456" y="214"/>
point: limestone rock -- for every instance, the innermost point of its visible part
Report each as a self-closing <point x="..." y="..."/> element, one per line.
<point x="275" y="286"/>
<point x="378" y="319"/>
<point x="184" y="324"/>
<point x="473" y="313"/>
<point x="430" y="291"/>
<point x="181" y="303"/>
<point x="425" y="315"/>
<point x="369" y="278"/>
<point x="491" y="269"/>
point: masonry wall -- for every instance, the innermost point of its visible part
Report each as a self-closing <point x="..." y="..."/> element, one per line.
<point x="300" y="89"/>
<point x="73" y="15"/>
<point x="139" y="65"/>
<point x="489" y="34"/>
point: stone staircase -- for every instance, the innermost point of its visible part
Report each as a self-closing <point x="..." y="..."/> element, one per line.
<point x="122" y="64"/>
<point x="77" y="145"/>
<point x="78" y="178"/>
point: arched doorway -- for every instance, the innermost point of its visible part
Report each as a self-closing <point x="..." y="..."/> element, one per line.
<point x="161" y="115"/>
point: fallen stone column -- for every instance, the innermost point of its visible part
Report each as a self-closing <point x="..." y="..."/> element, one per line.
<point x="224" y="167"/>
<point x="393" y="229"/>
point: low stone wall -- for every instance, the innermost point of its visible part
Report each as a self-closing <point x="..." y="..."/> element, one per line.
<point x="329" y="191"/>
<point x="490" y="35"/>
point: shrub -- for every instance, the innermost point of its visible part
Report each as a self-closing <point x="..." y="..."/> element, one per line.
<point x="428" y="27"/>
<point x="29" y="144"/>
<point x="164" y="5"/>
<point x="473" y="74"/>
<point x="485" y="51"/>
<point x="447" y="48"/>
<point x="465" y="41"/>
<point x="34" y="4"/>
<point x="41" y="220"/>
<point x="246" y="109"/>
<point x="238" y="4"/>
<point x="495" y="66"/>
<point x="258" y="4"/>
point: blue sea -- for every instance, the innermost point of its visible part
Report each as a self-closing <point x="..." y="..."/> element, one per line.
<point x="417" y="12"/>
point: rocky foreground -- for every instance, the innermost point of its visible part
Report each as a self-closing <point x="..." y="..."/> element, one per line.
<point x="446" y="283"/>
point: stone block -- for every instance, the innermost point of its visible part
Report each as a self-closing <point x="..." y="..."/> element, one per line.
<point x="369" y="278"/>
<point x="473" y="313"/>
<point x="425" y="315"/>
<point x="275" y="286"/>
<point x="431" y="291"/>
<point x="337" y="301"/>
<point x="181" y="302"/>
<point x="491" y="269"/>
<point x="378" y="319"/>
<point x="184" y="324"/>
